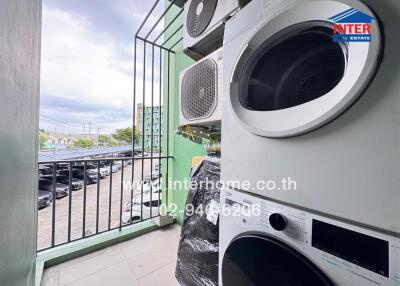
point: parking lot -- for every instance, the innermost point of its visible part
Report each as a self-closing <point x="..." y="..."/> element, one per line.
<point x="77" y="206"/>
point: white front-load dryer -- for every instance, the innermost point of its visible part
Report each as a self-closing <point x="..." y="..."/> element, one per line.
<point x="267" y="243"/>
<point x="322" y="112"/>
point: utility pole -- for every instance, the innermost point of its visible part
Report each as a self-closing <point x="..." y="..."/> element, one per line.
<point x="98" y="130"/>
<point x="90" y="127"/>
<point x="54" y="143"/>
<point x="84" y="128"/>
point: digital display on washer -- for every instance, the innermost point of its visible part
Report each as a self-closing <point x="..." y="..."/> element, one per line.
<point x="366" y="251"/>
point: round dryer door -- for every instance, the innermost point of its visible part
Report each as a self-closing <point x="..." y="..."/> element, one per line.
<point x="295" y="74"/>
<point x="257" y="260"/>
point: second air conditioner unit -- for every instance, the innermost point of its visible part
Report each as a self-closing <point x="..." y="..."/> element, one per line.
<point x="201" y="91"/>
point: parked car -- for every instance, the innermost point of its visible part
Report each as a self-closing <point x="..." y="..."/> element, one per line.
<point x="77" y="184"/>
<point x="45" y="169"/>
<point x="47" y="185"/>
<point x="139" y="154"/>
<point x="103" y="173"/>
<point x="63" y="166"/>
<point x="156" y="194"/>
<point x="154" y="176"/>
<point x="154" y="185"/>
<point x="118" y="164"/>
<point x="92" y="169"/>
<point x="150" y="207"/>
<point x="80" y="174"/>
<point x="105" y="170"/>
<point x="44" y="199"/>
<point x="121" y="162"/>
<point x="114" y="167"/>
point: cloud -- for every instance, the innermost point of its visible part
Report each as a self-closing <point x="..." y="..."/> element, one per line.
<point x="70" y="115"/>
<point x="80" y="64"/>
<point x="118" y="18"/>
<point x="87" y="64"/>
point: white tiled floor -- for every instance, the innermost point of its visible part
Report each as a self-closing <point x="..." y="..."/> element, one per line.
<point x="145" y="260"/>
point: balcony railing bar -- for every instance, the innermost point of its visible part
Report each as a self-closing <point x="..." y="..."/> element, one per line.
<point x="122" y="195"/>
<point x="146" y="18"/>
<point x="176" y="43"/>
<point x="168" y="126"/>
<point x="143" y="124"/>
<point x="156" y="45"/>
<point x="98" y="196"/>
<point x="159" y="19"/>
<point x="110" y="198"/>
<point x="84" y="199"/>
<point x="134" y="113"/>
<point x="170" y="37"/>
<point x="168" y="26"/>
<point x="53" y="218"/>
<point x="151" y="131"/>
<point x="159" y="135"/>
<point x="70" y="200"/>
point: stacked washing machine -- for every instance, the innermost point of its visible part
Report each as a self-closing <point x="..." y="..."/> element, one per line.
<point x="312" y="95"/>
<point x="307" y="91"/>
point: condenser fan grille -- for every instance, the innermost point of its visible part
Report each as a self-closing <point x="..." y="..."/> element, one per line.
<point x="199" y="16"/>
<point x="199" y="91"/>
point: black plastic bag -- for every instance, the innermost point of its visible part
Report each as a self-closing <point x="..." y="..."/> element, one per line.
<point x="197" y="262"/>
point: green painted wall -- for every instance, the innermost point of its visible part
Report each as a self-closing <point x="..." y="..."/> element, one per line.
<point x="182" y="149"/>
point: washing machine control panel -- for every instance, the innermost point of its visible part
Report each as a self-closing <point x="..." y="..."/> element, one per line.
<point x="348" y="254"/>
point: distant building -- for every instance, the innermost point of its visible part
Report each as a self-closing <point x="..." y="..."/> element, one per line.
<point x="59" y="139"/>
<point x="157" y="122"/>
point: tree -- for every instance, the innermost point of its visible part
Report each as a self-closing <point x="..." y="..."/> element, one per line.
<point x="106" y="140"/>
<point x="103" y="139"/>
<point x="83" y="143"/>
<point x="42" y="140"/>
<point x="125" y="135"/>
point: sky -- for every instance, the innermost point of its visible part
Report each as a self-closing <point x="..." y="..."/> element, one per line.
<point x="87" y="64"/>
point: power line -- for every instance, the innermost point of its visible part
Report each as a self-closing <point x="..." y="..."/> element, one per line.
<point x="81" y="126"/>
<point x="58" y="120"/>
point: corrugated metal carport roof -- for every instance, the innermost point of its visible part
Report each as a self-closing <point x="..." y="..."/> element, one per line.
<point x="59" y="155"/>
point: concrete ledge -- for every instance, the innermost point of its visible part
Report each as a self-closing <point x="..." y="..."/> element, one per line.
<point x="82" y="247"/>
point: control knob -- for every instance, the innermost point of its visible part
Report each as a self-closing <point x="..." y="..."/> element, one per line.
<point x="277" y="221"/>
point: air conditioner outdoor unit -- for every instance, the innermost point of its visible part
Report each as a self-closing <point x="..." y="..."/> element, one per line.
<point x="204" y="22"/>
<point x="201" y="91"/>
